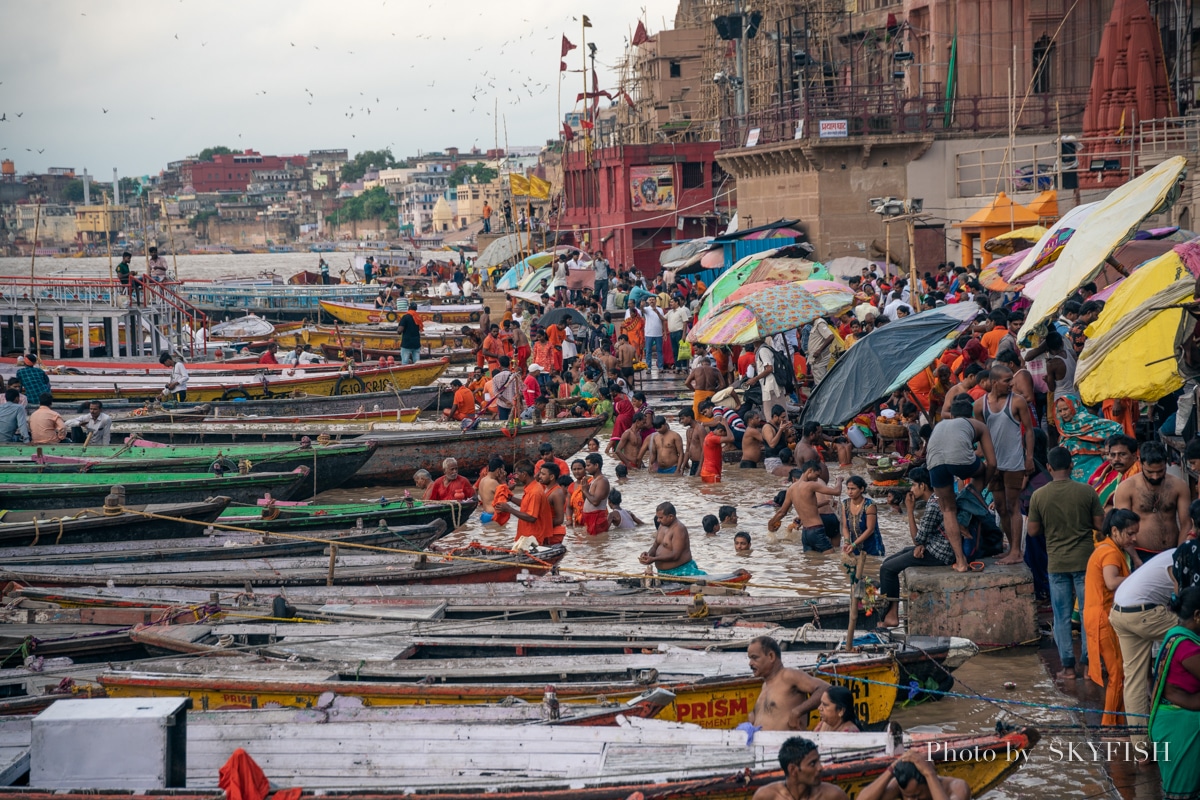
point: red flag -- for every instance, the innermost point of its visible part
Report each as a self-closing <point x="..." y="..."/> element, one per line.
<point x="625" y="96"/>
<point x="566" y="47"/>
<point x="568" y="134"/>
<point x="640" y="36"/>
<point x="562" y="66"/>
<point x="586" y="124"/>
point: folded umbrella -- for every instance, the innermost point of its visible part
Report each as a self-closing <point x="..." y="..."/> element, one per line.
<point x="884" y="360"/>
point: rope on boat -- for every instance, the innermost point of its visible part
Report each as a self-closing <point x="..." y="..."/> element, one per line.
<point x="700" y="581"/>
<point x="914" y="688"/>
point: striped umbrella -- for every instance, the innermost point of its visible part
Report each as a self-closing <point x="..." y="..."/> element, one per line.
<point x="770" y="310"/>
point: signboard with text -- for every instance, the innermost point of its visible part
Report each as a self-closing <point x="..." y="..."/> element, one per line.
<point x="833" y="129"/>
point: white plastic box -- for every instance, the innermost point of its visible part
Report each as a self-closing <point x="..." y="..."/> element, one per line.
<point x="111" y="743"/>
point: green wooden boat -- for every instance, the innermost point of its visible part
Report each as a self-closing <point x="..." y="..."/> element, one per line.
<point x="332" y="464"/>
<point x="301" y="518"/>
<point x="46" y="492"/>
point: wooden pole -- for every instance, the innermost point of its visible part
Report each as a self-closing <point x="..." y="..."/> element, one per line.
<point x="108" y="251"/>
<point x="860" y="564"/>
<point x="333" y="549"/>
<point x="913" y="295"/>
<point x="37" y="321"/>
<point x="171" y="238"/>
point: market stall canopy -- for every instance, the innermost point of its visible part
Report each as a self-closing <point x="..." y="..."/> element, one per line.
<point x="1115" y="219"/>
<point x="1010" y="242"/>
<point x="1130" y="351"/>
<point x="534" y="280"/>
<point x="771" y="309"/>
<point x="992" y="276"/>
<point x="683" y="256"/>
<point x="513" y="277"/>
<point x="783" y="228"/>
<point x="528" y="297"/>
<point x="884" y="360"/>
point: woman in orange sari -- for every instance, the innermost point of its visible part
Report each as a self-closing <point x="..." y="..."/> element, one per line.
<point x="1107" y="567"/>
<point x="580" y="475"/>
<point x="634" y="327"/>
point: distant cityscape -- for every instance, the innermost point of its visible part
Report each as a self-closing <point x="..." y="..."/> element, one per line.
<point x="222" y="200"/>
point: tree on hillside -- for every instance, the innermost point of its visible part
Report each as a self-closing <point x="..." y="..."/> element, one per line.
<point x="73" y="192"/>
<point x="374" y="203"/>
<point x="220" y="150"/>
<point x="463" y="173"/>
<point x="354" y="169"/>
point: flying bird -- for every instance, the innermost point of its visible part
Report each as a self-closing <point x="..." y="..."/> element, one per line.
<point x="20" y="114"/>
<point x="105" y="110"/>
<point x="293" y="44"/>
<point x="41" y="151"/>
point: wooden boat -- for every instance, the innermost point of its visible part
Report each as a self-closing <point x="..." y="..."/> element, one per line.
<point x="401" y="449"/>
<point x="332" y="464"/>
<point x="202" y="415"/>
<point x="632" y="759"/>
<point x="712" y="702"/>
<point x="468" y="565"/>
<point x="248" y="326"/>
<point x="276" y="301"/>
<point x="457" y="355"/>
<point x="355" y="337"/>
<point x="284" y="406"/>
<point x="46" y="492"/>
<point x="78" y="526"/>
<point x="205" y="388"/>
<point x="221" y="545"/>
<point x="368" y="314"/>
<point x="301" y="518"/>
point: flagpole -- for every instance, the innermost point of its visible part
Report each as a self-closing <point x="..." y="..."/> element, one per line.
<point x="587" y="131"/>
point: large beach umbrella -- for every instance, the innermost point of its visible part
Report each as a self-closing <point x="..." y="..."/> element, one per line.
<point x="848" y="266"/>
<point x="1115" y="219"/>
<point x="500" y="250"/>
<point x="756" y="268"/>
<point x="884" y="360"/>
<point x="1130" y="351"/>
<point x="770" y="310"/>
<point x="1052" y="242"/>
<point x="1010" y="242"/>
<point x="992" y="276"/>
<point x="834" y="297"/>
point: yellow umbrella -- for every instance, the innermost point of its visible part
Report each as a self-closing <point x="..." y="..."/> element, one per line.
<point x="1012" y="241"/>
<point x="1113" y="221"/>
<point x="1130" y="351"/>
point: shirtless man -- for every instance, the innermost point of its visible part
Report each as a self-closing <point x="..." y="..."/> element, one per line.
<point x="488" y="485"/>
<point x="1022" y="381"/>
<point x="694" y="449"/>
<point x="811" y="437"/>
<point x="671" y="552"/>
<point x="666" y="448"/>
<point x="629" y="448"/>
<point x="607" y="360"/>
<point x="704" y="381"/>
<point x="1161" y="500"/>
<point x="788" y="695"/>
<point x="804" y="496"/>
<point x="625" y="357"/>
<point x="752" y="441"/>
<point x="801" y="764"/>
<point x="970" y="381"/>
<point x="595" y="495"/>
<point x="556" y="496"/>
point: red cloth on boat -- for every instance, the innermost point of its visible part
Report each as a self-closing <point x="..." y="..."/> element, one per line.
<point x="242" y="779"/>
<point x="288" y="794"/>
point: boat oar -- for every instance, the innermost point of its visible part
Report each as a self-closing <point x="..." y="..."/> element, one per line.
<point x="860" y="563"/>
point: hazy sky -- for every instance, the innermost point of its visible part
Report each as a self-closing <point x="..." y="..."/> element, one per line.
<point x="134" y="84"/>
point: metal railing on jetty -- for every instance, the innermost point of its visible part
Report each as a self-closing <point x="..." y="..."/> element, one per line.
<point x="291" y="297"/>
<point x="97" y="314"/>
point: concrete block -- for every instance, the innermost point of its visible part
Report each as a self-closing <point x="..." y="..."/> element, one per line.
<point x="993" y="607"/>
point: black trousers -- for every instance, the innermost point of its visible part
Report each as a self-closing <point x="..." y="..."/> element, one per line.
<point x="892" y="566"/>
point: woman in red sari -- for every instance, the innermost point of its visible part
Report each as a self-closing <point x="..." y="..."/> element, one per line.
<point x="634" y="327"/>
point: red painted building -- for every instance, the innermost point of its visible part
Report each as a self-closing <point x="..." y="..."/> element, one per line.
<point x="630" y="201"/>
<point x="233" y="172"/>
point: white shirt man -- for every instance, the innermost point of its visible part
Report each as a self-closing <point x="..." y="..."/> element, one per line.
<point x="771" y="393"/>
<point x="654" y="320"/>
<point x="677" y="319"/>
<point x="96" y="423"/>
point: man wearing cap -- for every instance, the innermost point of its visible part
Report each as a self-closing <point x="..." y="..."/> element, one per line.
<point x="156" y="265"/>
<point x="533" y="389"/>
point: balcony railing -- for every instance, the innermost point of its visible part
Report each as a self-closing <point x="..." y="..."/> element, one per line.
<point x="885" y="110"/>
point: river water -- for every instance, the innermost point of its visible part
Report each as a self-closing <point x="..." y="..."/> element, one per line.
<point x="779" y="566"/>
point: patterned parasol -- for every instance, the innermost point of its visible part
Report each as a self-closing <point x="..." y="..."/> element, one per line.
<point x="772" y="309"/>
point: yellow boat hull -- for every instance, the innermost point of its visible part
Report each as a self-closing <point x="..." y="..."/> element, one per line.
<point x="355" y="339"/>
<point x="717" y="704"/>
